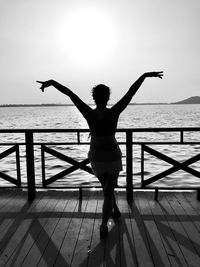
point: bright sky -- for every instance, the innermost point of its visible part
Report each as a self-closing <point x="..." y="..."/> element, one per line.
<point x="81" y="43"/>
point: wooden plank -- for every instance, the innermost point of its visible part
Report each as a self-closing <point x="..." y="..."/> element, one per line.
<point x="82" y="249"/>
<point x="5" y="222"/>
<point x="67" y="249"/>
<point x="6" y="195"/>
<point x="191" y="212"/>
<point x="112" y="245"/>
<point x="52" y="250"/>
<point x="30" y="224"/>
<point x="127" y="243"/>
<point x="45" y="225"/>
<point x="191" y="199"/>
<point x="159" y="255"/>
<point x="97" y="247"/>
<point x="143" y="253"/>
<point x="173" y="251"/>
<point x="185" y="244"/>
<point x="16" y="243"/>
<point x="13" y="212"/>
<point x="55" y="230"/>
<point x="187" y="225"/>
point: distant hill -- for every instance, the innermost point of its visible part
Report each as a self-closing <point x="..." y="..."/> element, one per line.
<point x="190" y="100"/>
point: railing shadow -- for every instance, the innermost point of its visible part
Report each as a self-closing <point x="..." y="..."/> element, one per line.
<point x="30" y="231"/>
<point x="172" y="232"/>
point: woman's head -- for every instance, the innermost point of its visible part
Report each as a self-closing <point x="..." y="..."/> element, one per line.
<point x="101" y="95"/>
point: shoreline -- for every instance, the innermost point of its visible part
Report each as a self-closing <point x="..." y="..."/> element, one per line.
<point x="71" y="105"/>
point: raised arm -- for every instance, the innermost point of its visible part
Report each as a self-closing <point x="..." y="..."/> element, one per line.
<point x="125" y="100"/>
<point x="82" y="106"/>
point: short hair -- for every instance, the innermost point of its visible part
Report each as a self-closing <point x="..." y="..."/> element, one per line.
<point x="101" y="94"/>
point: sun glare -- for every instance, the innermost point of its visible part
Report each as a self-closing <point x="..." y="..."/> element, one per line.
<point x="87" y="37"/>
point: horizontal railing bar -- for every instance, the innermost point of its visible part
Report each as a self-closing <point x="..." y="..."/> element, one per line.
<point x="165" y="143"/>
<point x="119" y="187"/>
<point x="12" y="144"/>
<point x="87" y="143"/>
<point x="167" y="188"/>
<point x="70" y="143"/>
<point x="170" y="129"/>
<point x="120" y="143"/>
<point x="63" y="144"/>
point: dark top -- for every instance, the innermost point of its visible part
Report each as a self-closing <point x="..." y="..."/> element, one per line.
<point x="102" y="122"/>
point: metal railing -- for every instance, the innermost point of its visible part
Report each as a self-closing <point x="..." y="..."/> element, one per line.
<point x="129" y="141"/>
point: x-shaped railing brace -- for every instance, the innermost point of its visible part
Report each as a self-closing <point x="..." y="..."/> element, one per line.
<point x="7" y="177"/>
<point x="76" y="165"/>
<point x="177" y="165"/>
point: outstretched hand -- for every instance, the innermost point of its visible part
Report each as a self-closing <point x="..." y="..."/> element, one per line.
<point x="45" y="84"/>
<point x="158" y="74"/>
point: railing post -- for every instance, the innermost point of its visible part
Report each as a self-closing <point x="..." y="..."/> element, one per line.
<point x="78" y="137"/>
<point x="129" y="166"/>
<point x="198" y="194"/>
<point x="156" y="194"/>
<point x="30" y="164"/>
<point x="80" y="193"/>
<point x="18" y="166"/>
<point x="142" y="165"/>
<point x="43" y="164"/>
<point x="181" y="136"/>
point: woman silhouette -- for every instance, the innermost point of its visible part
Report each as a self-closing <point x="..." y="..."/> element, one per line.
<point x="104" y="153"/>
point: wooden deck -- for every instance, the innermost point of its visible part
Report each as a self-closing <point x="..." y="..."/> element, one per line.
<point x="57" y="229"/>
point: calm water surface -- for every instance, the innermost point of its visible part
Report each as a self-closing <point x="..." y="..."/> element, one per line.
<point x="139" y="116"/>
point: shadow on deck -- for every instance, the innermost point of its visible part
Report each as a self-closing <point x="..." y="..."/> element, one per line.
<point x="57" y="229"/>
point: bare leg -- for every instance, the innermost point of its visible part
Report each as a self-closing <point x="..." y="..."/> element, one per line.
<point x="115" y="207"/>
<point x="107" y="209"/>
<point x="116" y="212"/>
<point x="109" y="183"/>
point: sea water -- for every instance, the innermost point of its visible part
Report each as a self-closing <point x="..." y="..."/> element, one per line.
<point x="135" y="116"/>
